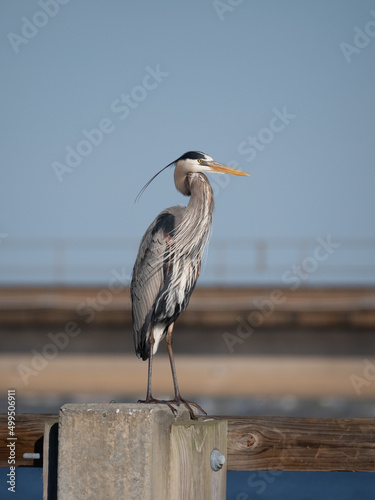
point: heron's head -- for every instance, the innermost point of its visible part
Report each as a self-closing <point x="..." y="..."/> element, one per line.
<point x="196" y="161"/>
<point x="193" y="162"/>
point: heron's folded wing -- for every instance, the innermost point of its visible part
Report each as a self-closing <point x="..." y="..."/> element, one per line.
<point x="148" y="272"/>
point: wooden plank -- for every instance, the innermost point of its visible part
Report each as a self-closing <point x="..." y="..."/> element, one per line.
<point x="191" y="475"/>
<point x="29" y="432"/>
<point x="255" y="443"/>
<point x="303" y="444"/>
<point x="221" y="376"/>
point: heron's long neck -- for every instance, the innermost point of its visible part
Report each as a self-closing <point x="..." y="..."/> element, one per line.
<point x="201" y="203"/>
<point x="197" y="218"/>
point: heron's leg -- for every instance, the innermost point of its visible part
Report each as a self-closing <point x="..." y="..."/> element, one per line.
<point x="149" y="373"/>
<point x="177" y="395"/>
<point x="149" y="397"/>
<point x="168" y="341"/>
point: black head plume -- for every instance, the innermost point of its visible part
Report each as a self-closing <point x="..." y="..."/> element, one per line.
<point x="149" y="182"/>
<point x="191" y="155"/>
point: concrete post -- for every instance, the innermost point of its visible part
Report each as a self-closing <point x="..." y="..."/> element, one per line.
<point x="115" y="451"/>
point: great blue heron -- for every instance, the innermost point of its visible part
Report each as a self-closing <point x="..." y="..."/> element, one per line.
<point x="168" y="263"/>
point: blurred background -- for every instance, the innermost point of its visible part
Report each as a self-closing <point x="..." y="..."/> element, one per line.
<point x="96" y="98"/>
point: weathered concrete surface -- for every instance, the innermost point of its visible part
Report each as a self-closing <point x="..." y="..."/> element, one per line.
<point x="114" y="451"/>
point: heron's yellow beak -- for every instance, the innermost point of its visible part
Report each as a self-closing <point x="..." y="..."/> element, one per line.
<point x="224" y="169"/>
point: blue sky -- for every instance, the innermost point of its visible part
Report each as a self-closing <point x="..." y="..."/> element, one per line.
<point x="162" y="78"/>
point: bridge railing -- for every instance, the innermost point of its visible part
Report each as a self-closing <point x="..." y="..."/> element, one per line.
<point x="63" y="261"/>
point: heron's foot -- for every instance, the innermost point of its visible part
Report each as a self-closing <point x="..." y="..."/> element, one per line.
<point x="151" y="400"/>
<point x="188" y="404"/>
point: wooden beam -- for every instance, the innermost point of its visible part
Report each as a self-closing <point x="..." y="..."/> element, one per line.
<point x="303" y="444"/>
<point x="254" y="443"/>
<point x="29" y="432"/>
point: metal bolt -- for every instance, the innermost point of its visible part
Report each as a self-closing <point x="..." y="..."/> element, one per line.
<point x="217" y="460"/>
<point x="31" y="456"/>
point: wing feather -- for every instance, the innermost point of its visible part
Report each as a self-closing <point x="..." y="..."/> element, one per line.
<point x="148" y="278"/>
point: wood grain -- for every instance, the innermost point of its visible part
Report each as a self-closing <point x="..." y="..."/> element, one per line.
<point x="29" y="432"/>
<point x="314" y="444"/>
<point x="191" y="476"/>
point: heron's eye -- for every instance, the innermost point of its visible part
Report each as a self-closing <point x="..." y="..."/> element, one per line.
<point x="200" y="160"/>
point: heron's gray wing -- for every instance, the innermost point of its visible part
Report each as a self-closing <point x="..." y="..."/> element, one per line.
<point x="148" y="276"/>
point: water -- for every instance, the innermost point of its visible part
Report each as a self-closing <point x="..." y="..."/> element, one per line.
<point x="247" y="485"/>
<point x="278" y="485"/>
<point x="29" y="484"/>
